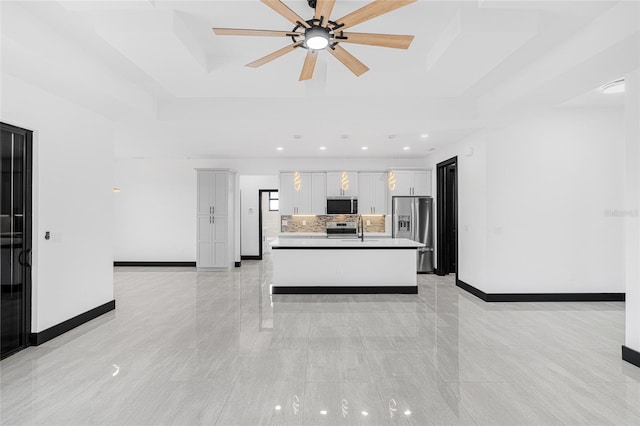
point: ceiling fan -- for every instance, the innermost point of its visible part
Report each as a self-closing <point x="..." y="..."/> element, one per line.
<point x="320" y="32"/>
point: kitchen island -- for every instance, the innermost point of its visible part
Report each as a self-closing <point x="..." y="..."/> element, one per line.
<point x="344" y="266"/>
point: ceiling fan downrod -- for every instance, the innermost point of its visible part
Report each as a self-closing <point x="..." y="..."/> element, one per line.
<point x="312" y="3"/>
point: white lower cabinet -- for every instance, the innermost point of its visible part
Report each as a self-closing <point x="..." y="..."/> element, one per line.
<point x="212" y="242"/>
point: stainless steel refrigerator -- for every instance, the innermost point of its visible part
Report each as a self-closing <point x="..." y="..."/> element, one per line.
<point x="413" y="219"/>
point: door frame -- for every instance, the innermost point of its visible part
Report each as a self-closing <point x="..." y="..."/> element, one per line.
<point x="27" y="237"/>
<point x="440" y="191"/>
<point x="260" y="192"/>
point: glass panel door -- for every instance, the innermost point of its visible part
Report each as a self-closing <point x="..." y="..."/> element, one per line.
<point x="15" y="239"/>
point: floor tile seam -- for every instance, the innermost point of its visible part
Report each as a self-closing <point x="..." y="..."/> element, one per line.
<point x="226" y="398"/>
<point x="619" y="399"/>
<point x="522" y="389"/>
<point x="315" y="382"/>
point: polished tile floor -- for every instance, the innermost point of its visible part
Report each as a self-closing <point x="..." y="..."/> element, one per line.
<point x="214" y="348"/>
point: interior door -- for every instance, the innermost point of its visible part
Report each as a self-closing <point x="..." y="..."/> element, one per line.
<point x="15" y="235"/>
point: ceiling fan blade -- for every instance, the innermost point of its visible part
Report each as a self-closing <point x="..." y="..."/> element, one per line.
<point x="309" y="65"/>
<point x="287" y="13"/>
<point x="324" y="8"/>
<point x="383" y="40"/>
<point x="370" y="11"/>
<point x="248" y="32"/>
<point x="275" y="55"/>
<point x="350" y="61"/>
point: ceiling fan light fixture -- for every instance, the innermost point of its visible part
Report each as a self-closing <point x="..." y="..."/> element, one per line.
<point x="316" y="38"/>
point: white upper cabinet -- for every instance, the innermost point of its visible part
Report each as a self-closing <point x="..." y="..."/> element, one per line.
<point x="412" y="182"/>
<point x="319" y="193"/>
<point x="285" y="194"/>
<point x="213" y="192"/>
<point x="303" y="200"/>
<point x="372" y="193"/>
<point x="422" y="183"/>
<point x="335" y="185"/>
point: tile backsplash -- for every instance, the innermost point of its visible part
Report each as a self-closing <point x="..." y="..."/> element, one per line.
<point x="319" y="223"/>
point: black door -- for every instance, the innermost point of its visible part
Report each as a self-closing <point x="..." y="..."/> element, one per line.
<point x="15" y="235"/>
<point x="447" y="201"/>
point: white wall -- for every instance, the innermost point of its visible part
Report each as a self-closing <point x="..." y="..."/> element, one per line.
<point x="538" y="192"/>
<point x="632" y="206"/>
<point x="72" y="199"/>
<point x="551" y="180"/>
<point x="155" y="210"/>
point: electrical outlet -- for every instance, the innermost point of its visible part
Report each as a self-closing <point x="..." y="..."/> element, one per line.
<point x="368" y="222"/>
<point x="304" y="222"/>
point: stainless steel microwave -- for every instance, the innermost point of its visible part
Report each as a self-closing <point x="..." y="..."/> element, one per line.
<point x="342" y="205"/>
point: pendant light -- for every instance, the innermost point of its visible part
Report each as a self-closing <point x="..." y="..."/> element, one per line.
<point x="297" y="181"/>
<point x="345" y="181"/>
<point x="391" y="180"/>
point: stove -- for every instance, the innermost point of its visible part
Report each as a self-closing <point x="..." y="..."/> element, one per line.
<point x="341" y="230"/>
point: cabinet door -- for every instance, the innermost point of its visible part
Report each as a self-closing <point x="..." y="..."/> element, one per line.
<point x="365" y="199"/>
<point x="286" y="194"/>
<point x="205" y="192"/>
<point x="302" y="197"/>
<point x="378" y="182"/>
<point x="422" y="183"/>
<point x="318" y="193"/>
<point x="352" y="191"/>
<point x="334" y="184"/>
<point x="220" y="193"/>
<point x="220" y="241"/>
<point x="404" y="183"/>
<point x="205" y="242"/>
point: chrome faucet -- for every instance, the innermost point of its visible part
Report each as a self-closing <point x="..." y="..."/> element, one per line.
<point x="360" y="227"/>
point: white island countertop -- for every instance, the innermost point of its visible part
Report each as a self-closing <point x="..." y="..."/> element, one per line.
<point x="340" y="244"/>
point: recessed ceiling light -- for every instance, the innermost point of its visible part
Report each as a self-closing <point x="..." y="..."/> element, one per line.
<point x="280" y="148"/>
<point x="297" y="136"/>
<point x="364" y="413"/>
<point x="424" y="135"/>
<point x="406" y="148"/>
<point x="278" y="408"/>
<point x="431" y="149"/>
<point x="323" y="412"/>
<point x="344" y="136"/>
<point x="364" y="148"/>
<point x="615" y="86"/>
<point x="407" y="412"/>
<point x="322" y="148"/>
<point x="392" y="136"/>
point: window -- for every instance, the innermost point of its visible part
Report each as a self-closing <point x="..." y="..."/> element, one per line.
<point x="273" y="202"/>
